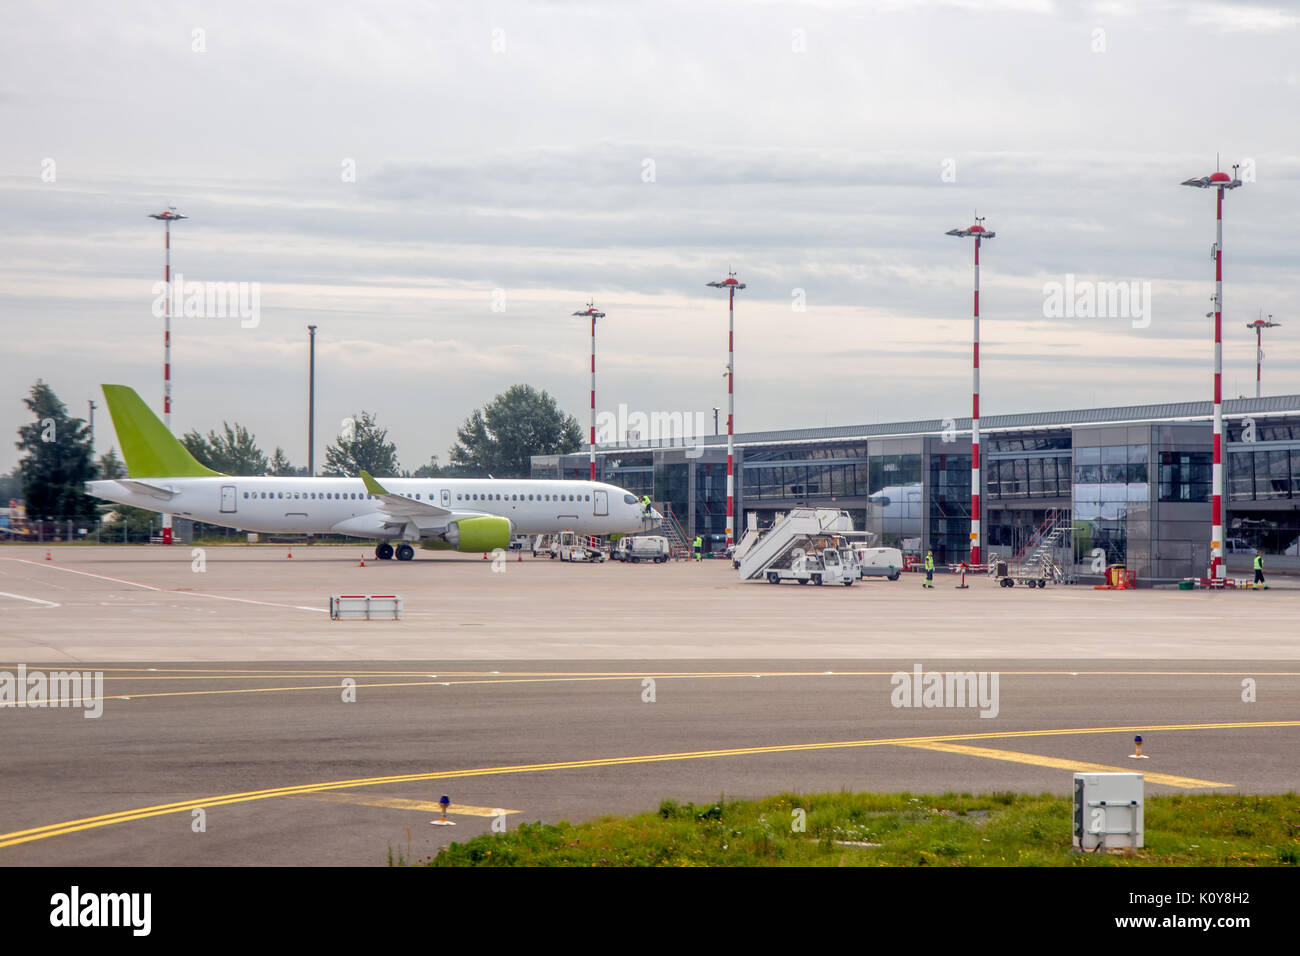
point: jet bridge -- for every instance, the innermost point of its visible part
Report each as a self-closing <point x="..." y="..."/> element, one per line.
<point x="801" y="528"/>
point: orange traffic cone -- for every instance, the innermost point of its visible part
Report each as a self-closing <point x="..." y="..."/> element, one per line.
<point x="484" y="555"/>
<point x="291" y="552"/>
<point x="47" y="556"/>
<point x="363" y="561"/>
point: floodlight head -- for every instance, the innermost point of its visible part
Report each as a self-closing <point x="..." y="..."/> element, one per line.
<point x="1214" y="180"/>
<point x="591" y="311"/>
<point x="167" y="215"/>
<point x="730" y="282"/>
<point x="978" y="231"/>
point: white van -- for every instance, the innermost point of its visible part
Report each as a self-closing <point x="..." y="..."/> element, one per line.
<point x="880" y="562"/>
<point x="642" y="547"/>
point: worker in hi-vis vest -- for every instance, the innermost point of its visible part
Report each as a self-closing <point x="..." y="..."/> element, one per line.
<point x="699" y="546"/>
<point x="645" y="505"/>
<point x="929" y="570"/>
<point x="1259" y="569"/>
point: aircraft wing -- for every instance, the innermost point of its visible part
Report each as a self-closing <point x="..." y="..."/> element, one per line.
<point x="400" y="506"/>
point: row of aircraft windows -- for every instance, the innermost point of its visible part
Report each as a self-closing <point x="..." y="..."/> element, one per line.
<point x="303" y="494"/>
<point x="523" y="497"/>
<point x="462" y="497"/>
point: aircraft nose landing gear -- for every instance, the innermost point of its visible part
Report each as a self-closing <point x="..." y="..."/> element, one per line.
<point x="405" y="552"/>
<point x="383" y="551"/>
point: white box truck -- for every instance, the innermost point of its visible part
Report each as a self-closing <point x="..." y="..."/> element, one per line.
<point x="880" y="562"/>
<point x="642" y="547"/>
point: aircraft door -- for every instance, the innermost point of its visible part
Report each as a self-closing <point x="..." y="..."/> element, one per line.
<point x="227" y="499"/>
<point x="600" y="500"/>
<point x="445" y="497"/>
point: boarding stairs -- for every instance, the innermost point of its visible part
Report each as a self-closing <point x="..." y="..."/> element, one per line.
<point x="1041" y="557"/>
<point x="800" y="528"/>
<point x="748" y="539"/>
<point x="679" y="546"/>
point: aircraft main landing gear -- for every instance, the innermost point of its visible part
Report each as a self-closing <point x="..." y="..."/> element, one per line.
<point x="383" y="551"/>
<point x="405" y="552"/>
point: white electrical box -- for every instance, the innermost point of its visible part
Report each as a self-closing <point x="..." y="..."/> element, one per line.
<point x="365" y="607"/>
<point x="1107" y="810"/>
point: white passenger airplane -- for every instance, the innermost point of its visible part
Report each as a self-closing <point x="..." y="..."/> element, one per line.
<point x="471" y="514"/>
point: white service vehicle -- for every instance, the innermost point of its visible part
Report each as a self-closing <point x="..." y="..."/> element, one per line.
<point x="819" y="567"/>
<point x="642" y="547"/>
<point x="879" y="562"/>
<point x="849" y="558"/>
<point x="576" y="547"/>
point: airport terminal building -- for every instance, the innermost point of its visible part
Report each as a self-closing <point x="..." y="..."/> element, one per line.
<point x="1133" y="482"/>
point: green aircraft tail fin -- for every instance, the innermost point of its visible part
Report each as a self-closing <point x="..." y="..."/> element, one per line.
<point x="149" y="449"/>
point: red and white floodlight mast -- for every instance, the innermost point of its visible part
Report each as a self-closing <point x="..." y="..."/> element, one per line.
<point x="167" y="217"/>
<point x="979" y="233"/>
<point x="731" y="285"/>
<point x="1219" y="182"/>
<point x="590" y="310"/>
<point x="1259" y="325"/>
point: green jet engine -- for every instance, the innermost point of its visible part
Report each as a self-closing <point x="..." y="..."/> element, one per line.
<point x="479" y="534"/>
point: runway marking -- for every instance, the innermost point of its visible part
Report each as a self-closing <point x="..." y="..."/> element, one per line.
<point x="154" y="587"/>
<point x="576" y="679"/>
<point x="399" y="803"/>
<point x="193" y="673"/>
<point x="1077" y="766"/>
<point x="32" y="599"/>
<point x="458" y="683"/>
<point x="126" y="816"/>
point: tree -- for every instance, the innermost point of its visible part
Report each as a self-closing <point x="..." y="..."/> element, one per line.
<point x="363" y="445"/>
<point x="431" y="470"/>
<point x="501" y="438"/>
<point x="57" y="459"/>
<point x="11" y="485"/>
<point x="125" y="523"/>
<point x="281" y="466"/>
<point x="234" y="452"/>
<point x="110" y="466"/>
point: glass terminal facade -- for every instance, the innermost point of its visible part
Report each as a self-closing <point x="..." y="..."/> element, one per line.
<point x="1133" y="483"/>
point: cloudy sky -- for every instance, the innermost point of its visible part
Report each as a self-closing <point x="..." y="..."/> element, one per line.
<point x="438" y="186"/>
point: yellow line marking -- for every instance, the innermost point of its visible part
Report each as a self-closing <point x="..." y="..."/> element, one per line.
<point x="164" y="673"/>
<point x="640" y="675"/>
<point x="126" y="816"/>
<point x="1059" y="764"/>
<point x="422" y="683"/>
<point x="399" y="803"/>
<point x="141" y="674"/>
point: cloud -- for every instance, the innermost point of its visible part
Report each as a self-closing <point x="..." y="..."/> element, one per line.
<point x="519" y="176"/>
